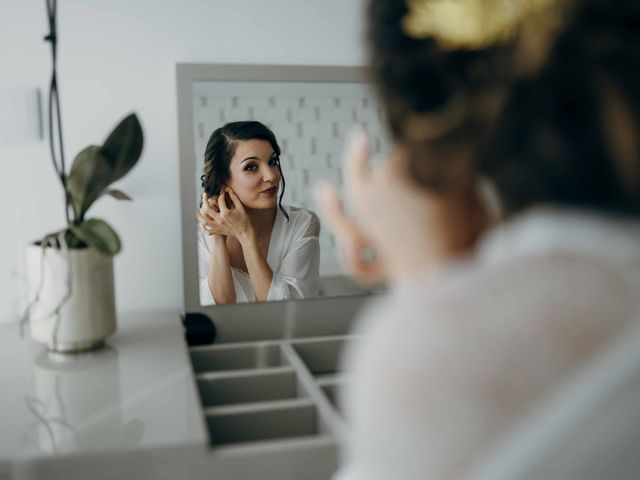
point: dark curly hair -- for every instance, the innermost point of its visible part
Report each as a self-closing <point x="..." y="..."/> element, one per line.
<point x="221" y="148"/>
<point x="551" y="116"/>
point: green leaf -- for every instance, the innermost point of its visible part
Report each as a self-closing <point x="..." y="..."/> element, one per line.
<point x="98" y="234"/>
<point x="95" y="168"/>
<point x="118" y="194"/>
<point x="90" y="175"/>
<point x="123" y="146"/>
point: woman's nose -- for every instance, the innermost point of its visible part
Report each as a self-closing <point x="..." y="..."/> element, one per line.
<point x="269" y="175"/>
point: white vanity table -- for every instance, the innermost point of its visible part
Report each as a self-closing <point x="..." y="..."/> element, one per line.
<point x="137" y="393"/>
<point x="146" y="406"/>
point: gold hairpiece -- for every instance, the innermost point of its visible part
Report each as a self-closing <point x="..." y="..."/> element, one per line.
<point x="469" y="24"/>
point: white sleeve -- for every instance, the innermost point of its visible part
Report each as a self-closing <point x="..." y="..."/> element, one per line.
<point x="204" y="259"/>
<point x="299" y="272"/>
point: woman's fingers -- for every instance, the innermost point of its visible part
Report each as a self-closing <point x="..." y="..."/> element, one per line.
<point x="222" y="202"/>
<point x="213" y="204"/>
<point x="356" y="161"/>
<point x="331" y="210"/>
<point x="204" y="219"/>
<point x="353" y="242"/>
<point x="209" y="207"/>
<point x="366" y="270"/>
<point x="207" y="220"/>
<point x="205" y="230"/>
<point x="213" y="229"/>
<point x="208" y="213"/>
<point x="235" y="199"/>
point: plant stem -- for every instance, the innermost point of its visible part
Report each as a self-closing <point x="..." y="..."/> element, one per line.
<point x="54" y="104"/>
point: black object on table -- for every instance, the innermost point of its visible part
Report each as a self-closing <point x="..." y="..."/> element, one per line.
<point x="199" y="329"/>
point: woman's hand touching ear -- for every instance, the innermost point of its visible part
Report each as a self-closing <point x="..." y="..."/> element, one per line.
<point x="233" y="216"/>
<point x="207" y="215"/>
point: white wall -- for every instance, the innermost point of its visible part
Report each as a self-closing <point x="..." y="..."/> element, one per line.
<point x="117" y="56"/>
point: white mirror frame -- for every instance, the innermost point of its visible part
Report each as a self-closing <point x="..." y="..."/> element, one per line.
<point x="265" y="320"/>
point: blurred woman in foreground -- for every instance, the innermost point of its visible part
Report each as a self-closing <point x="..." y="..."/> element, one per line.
<point x="485" y="320"/>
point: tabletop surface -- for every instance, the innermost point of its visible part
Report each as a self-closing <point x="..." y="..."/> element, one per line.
<point x="137" y="392"/>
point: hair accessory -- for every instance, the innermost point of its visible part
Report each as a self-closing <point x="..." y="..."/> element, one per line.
<point x="471" y="24"/>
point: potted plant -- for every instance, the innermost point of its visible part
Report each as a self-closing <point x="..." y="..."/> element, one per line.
<point x="70" y="272"/>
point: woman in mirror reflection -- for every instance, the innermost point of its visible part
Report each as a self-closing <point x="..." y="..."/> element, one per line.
<point x="529" y="106"/>
<point x="250" y="246"/>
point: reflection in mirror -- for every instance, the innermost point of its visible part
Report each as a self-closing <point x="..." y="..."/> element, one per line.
<point x="250" y="246"/>
<point x="292" y="138"/>
<point x="76" y="405"/>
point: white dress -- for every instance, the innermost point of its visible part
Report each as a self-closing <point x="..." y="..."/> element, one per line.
<point x="293" y="256"/>
<point x="449" y="365"/>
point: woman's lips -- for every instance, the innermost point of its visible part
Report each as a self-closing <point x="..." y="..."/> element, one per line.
<point x="270" y="191"/>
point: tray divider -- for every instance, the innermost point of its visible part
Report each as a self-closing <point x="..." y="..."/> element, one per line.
<point x="267" y="406"/>
<point x="325" y="410"/>
<point x="245" y="372"/>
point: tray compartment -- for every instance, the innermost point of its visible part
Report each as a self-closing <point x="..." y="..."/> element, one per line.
<point x="247" y="387"/>
<point x="321" y="357"/>
<point x="237" y="357"/>
<point x="279" y="422"/>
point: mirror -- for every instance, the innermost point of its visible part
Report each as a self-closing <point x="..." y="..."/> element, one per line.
<point x="310" y="110"/>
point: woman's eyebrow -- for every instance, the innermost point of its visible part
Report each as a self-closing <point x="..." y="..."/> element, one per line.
<point x="253" y="157"/>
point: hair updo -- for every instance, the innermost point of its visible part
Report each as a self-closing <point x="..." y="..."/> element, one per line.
<point x="550" y="116"/>
<point x="221" y="148"/>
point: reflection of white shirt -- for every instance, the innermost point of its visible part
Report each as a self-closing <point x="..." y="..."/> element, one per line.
<point x="293" y="256"/>
<point x="450" y="364"/>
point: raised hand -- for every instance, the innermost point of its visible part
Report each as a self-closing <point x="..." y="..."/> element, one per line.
<point x="357" y="247"/>
<point x="224" y="215"/>
<point x="207" y="213"/>
<point x="396" y="222"/>
<point x="233" y="219"/>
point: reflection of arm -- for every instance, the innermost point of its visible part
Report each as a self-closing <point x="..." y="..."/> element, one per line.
<point x="259" y="271"/>
<point x="298" y="275"/>
<point x="219" y="277"/>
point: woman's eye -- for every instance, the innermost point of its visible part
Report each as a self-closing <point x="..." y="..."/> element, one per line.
<point x="274" y="161"/>
<point x="250" y="168"/>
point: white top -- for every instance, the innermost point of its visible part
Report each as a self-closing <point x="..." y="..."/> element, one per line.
<point x="450" y="364"/>
<point x="293" y="256"/>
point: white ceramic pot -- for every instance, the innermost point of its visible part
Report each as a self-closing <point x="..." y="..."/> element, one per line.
<point x="88" y="315"/>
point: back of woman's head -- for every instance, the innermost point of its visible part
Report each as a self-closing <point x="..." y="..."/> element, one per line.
<point x="540" y="96"/>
